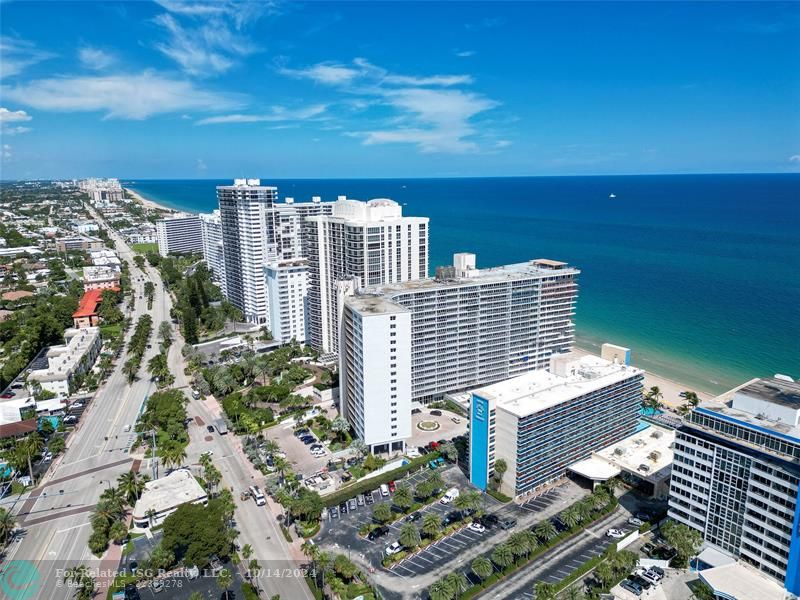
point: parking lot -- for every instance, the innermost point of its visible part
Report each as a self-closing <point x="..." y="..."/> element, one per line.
<point x="448" y="428"/>
<point x="297" y="453"/>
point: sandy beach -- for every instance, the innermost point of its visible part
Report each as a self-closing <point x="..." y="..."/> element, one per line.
<point x="148" y="203"/>
<point x="671" y="389"/>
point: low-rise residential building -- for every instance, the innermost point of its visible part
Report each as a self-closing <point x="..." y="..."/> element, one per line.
<point x="86" y="227"/>
<point x="19" y="251"/>
<point x="78" y="242"/>
<point x="735" y="476"/>
<point x="162" y="497"/>
<point x="86" y="314"/>
<point x="105" y="258"/>
<point x="542" y="422"/>
<point x="67" y="361"/>
<point x="179" y="235"/>
<point x="287" y="284"/>
<point x="100" y="278"/>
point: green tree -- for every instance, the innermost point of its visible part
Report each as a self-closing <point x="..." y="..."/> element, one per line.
<point x="31" y="445"/>
<point x="519" y="544"/>
<point x="194" y="533"/>
<point x="224" y="580"/>
<point x="545" y="531"/>
<point x="544" y="591"/>
<point x="482" y="567"/>
<point x="441" y="590"/>
<point x="81" y="580"/>
<point x="7" y="524"/>
<point x="431" y="524"/>
<point x="604" y="574"/>
<point x="571" y="517"/>
<point x="382" y="513"/>
<point x="457" y="582"/>
<point x="500" y="468"/>
<point x="189" y="317"/>
<point x="132" y="485"/>
<point x="403" y="498"/>
<point x="684" y="539"/>
<point x="502" y="556"/>
<point x="409" y="535"/>
<point x="340" y="426"/>
<point x="118" y="531"/>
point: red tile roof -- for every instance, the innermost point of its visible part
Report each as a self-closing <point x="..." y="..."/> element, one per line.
<point x="17" y="429"/>
<point x="87" y="307"/>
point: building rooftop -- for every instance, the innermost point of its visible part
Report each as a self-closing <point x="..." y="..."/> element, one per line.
<point x="648" y="453"/>
<point x="374" y="304"/>
<point x="62" y="360"/>
<point x="179" y="487"/>
<point x="742" y="582"/>
<point x="774" y="391"/>
<point x="537" y="390"/>
<point x="87" y="307"/>
<point x="533" y="268"/>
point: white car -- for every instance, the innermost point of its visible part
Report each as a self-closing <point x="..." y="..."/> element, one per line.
<point x="651" y="577"/>
<point x="635" y="522"/>
<point x="76" y="405"/>
<point x="615" y="533"/>
<point x="477" y="527"/>
<point x="317" y="453"/>
<point x="393" y="549"/>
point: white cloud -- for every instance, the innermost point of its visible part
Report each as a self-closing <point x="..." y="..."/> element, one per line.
<point x="327" y="73"/>
<point x="277" y="113"/>
<point x="6" y="151"/>
<point x="428" y="110"/>
<point x="95" y="58"/>
<point x="466" y="53"/>
<point x="795" y="158"/>
<point x="7" y="117"/>
<point x="201" y="165"/>
<point x="18" y="54"/>
<point x="134" y="96"/>
<point x="213" y="42"/>
<point x="13" y="116"/>
<point x="502" y="143"/>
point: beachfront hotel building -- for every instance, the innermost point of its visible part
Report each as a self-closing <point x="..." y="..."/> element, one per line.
<point x="360" y="244"/>
<point x="287" y="284"/>
<point x="542" y="422"/>
<point x="249" y="240"/>
<point x="179" y="235"/>
<point x="735" y="479"/>
<point x="471" y="327"/>
<point x="375" y="395"/>
<point x="213" y="249"/>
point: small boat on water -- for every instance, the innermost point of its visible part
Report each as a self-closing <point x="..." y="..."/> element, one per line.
<point x="612" y="195"/>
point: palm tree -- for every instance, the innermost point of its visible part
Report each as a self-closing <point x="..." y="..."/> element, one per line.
<point x="130" y="369"/>
<point x="482" y="567"/>
<point x="573" y="593"/>
<point x="441" y="590"/>
<point x="151" y="515"/>
<point x="173" y="455"/>
<point x="544" y="591"/>
<point x="108" y="511"/>
<point x="247" y="551"/>
<point x="31" y="445"/>
<point x="435" y="479"/>
<point x="652" y="398"/>
<point x="7" y="524"/>
<point x="584" y="508"/>
<point x="502" y="556"/>
<point x="359" y="447"/>
<point x="403" y="497"/>
<point x="340" y="426"/>
<point x="533" y="541"/>
<point x="409" y="535"/>
<point x="113" y="495"/>
<point x="222" y="380"/>
<point x="692" y="399"/>
<point x="571" y="517"/>
<point x="224" y="580"/>
<point x="80" y="578"/>
<point x="545" y="531"/>
<point x="468" y="501"/>
<point x="500" y="468"/>
<point x="604" y="573"/>
<point x="261" y="369"/>
<point x="518" y="543"/>
<point x="457" y="582"/>
<point x="132" y="485"/>
<point x="431" y="524"/>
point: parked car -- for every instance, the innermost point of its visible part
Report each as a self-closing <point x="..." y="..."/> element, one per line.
<point x="422" y="450"/>
<point x="455" y="420"/>
<point x="377" y="532"/>
<point x="333" y="512"/>
<point x="451" y="517"/>
<point x="635" y="522"/>
<point x="631" y="586"/>
<point x="416" y="411"/>
<point x="351" y="504"/>
<point x="318" y="453"/>
<point x="477" y="527"/>
<point x="301" y="432"/>
<point x="436" y="413"/>
<point x="384" y="490"/>
<point x="638" y="579"/>
<point x="77" y="405"/>
<point x="415" y="516"/>
<point x="508" y="524"/>
<point x="652" y="577"/>
<point x="210" y="428"/>
<point x="369" y="498"/>
<point x="392" y="486"/>
<point x="360" y="499"/>
<point x="642" y="516"/>
<point x="7" y="395"/>
<point x="451" y="495"/>
<point x="343" y="508"/>
<point x="615" y="533"/>
<point x="393" y="548"/>
<point x="488" y="521"/>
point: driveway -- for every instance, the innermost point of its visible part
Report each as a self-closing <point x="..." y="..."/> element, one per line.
<point x="447" y="428"/>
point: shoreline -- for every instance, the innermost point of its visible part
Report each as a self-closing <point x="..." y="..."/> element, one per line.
<point x="670" y="388"/>
<point x="147" y="203"/>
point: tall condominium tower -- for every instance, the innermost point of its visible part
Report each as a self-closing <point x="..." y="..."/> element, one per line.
<point x="213" y="251"/>
<point x="180" y="234"/>
<point x="735" y="479"/>
<point x="468" y="327"/>
<point x="360" y="244"/>
<point x="250" y="241"/>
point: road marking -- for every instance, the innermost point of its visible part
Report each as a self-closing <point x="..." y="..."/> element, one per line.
<point x="73" y="527"/>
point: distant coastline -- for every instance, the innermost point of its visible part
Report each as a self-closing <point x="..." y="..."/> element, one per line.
<point x="147" y="202"/>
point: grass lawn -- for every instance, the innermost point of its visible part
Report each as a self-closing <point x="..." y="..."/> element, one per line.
<point x="108" y="332"/>
<point x="144" y="248"/>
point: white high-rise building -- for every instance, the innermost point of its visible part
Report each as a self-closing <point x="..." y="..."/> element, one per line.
<point x="287" y="284"/>
<point x="375" y="371"/>
<point x="360" y="244"/>
<point x="179" y="235"/>
<point x="249" y="239"/>
<point x="471" y="327"/>
<point x="213" y="250"/>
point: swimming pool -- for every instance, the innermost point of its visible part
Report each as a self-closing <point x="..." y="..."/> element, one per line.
<point x="650" y="412"/>
<point x="641" y="426"/>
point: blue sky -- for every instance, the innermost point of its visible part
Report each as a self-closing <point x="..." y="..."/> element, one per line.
<point x="379" y="89"/>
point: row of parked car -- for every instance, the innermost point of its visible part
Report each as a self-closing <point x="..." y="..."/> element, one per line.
<point x="643" y="579"/>
<point x="310" y="440"/>
<point x="367" y="498"/>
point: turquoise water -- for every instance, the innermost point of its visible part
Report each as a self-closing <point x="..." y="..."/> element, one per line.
<point x="647" y="411"/>
<point x="698" y="274"/>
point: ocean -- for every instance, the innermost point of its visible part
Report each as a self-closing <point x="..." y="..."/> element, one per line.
<point x="698" y="274"/>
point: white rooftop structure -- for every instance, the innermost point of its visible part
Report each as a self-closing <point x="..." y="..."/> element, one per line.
<point x="569" y="377"/>
<point x="741" y="582"/>
<point x="164" y="496"/>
